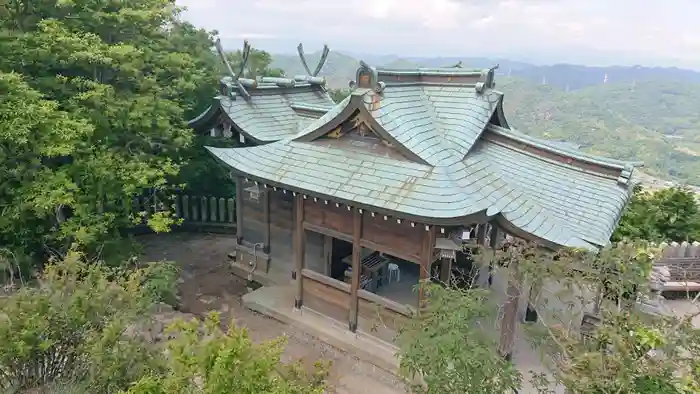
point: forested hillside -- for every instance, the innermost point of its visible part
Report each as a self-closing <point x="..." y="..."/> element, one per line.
<point x="645" y="114"/>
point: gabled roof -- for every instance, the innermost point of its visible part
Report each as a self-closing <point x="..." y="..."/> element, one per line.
<point x="275" y="110"/>
<point x="459" y="161"/>
<point x="267" y="109"/>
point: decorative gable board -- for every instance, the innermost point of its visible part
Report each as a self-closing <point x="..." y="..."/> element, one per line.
<point x="356" y="134"/>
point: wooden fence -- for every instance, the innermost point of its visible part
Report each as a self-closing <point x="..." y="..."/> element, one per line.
<point x="198" y="213"/>
<point x="682" y="260"/>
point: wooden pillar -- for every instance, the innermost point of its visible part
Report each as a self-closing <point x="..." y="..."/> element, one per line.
<point x="299" y="246"/>
<point x="327" y="254"/>
<point x="356" y="268"/>
<point x="531" y="309"/>
<point x="493" y="244"/>
<point x="266" y="219"/>
<point x="445" y="270"/>
<point x="482" y="274"/>
<point x="426" y="260"/>
<point x="509" y="323"/>
<point x="239" y="209"/>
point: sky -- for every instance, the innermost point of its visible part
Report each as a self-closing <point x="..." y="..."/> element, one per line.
<point x="594" y="32"/>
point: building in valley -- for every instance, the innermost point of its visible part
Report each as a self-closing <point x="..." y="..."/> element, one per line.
<point x="358" y="205"/>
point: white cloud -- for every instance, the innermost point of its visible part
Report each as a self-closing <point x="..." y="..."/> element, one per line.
<point x="629" y="29"/>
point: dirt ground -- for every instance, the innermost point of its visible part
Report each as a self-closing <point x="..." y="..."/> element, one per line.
<point x="209" y="285"/>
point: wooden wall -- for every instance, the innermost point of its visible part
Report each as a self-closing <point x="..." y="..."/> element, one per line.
<point x="253" y="211"/>
<point x="397" y="239"/>
<point x="314" y="258"/>
<point x="388" y="236"/>
<point x="281" y="226"/>
<point x="326" y="295"/>
<point x="328" y="216"/>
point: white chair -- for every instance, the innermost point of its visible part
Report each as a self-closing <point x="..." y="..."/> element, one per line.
<point x="394" y="271"/>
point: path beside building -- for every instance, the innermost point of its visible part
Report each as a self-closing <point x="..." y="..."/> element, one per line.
<point x="208" y="285"/>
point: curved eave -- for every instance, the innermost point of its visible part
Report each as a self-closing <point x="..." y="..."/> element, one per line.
<point x="572" y="242"/>
<point x="561" y="150"/>
<point x="206" y="116"/>
<point x="565" y="237"/>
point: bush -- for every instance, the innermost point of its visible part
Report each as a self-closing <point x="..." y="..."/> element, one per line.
<point x="203" y="357"/>
<point x="69" y="327"/>
<point x="74" y="332"/>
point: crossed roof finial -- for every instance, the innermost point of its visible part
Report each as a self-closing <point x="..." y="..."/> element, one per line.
<point x="244" y="63"/>
<point x="321" y="61"/>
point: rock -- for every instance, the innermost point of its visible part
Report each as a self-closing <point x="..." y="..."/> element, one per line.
<point x="208" y="299"/>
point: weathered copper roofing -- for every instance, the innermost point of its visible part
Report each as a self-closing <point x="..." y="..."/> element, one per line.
<point x="457" y="162"/>
<point x="273" y="112"/>
<point x="268" y="109"/>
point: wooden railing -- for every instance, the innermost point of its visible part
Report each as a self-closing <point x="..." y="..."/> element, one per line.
<point x="198" y="213"/>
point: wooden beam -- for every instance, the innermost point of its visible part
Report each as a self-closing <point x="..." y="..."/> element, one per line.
<point x="266" y="219"/>
<point x="299" y="252"/>
<point x="327" y="231"/>
<point x="425" y="261"/>
<point x="356" y="268"/>
<point x="327" y="254"/>
<point x="239" y="209"/>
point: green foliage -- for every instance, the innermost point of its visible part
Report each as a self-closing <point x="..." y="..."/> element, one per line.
<point x="258" y="64"/>
<point x="70" y="326"/>
<point x="201" y="174"/>
<point x="77" y="330"/>
<point x="671" y="214"/>
<point x="628" y="351"/>
<point x="612" y="120"/>
<point x="209" y="360"/>
<point x="451" y="346"/>
<point x="93" y="115"/>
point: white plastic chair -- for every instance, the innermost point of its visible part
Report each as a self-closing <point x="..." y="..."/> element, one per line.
<point x="394" y="271"/>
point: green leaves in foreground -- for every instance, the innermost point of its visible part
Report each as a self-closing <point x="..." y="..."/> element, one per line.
<point x="205" y="359"/>
<point x="452" y="345"/>
<point x="84" y="326"/>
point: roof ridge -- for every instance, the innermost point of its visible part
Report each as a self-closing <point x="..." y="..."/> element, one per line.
<point x="433" y="71"/>
<point x="559" y="149"/>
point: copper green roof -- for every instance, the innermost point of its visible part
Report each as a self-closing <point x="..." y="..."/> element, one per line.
<point x="456" y="165"/>
<point x="273" y="112"/>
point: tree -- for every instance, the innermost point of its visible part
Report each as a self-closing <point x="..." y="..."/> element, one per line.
<point x="38" y="144"/>
<point x="671" y="214"/>
<point x="258" y="64"/>
<point x="627" y="350"/>
<point x="119" y="81"/>
<point x="451" y="346"/>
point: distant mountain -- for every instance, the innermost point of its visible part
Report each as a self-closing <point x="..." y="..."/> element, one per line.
<point x="339" y="69"/>
<point x="646" y="114"/>
<point x="563" y="76"/>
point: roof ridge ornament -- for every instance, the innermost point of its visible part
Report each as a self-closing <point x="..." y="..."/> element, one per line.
<point x="244" y="62"/>
<point x="489" y="79"/>
<point x="312" y="77"/>
<point x="367" y="77"/>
